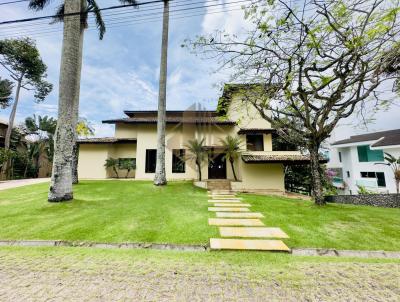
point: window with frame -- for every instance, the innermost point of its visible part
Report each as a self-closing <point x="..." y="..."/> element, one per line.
<point x="255" y="142"/>
<point x="178" y="161"/>
<point x="340" y="156"/>
<point x="122" y="162"/>
<point x="365" y="154"/>
<point x="379" y="176"/>
<point x="151" y="159"/>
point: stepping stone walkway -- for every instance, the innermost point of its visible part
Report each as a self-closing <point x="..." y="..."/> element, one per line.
<point x="241" y="226"/>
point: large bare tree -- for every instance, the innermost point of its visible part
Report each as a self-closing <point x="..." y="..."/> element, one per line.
<point x="160" y="177"/>
<point x="314" y="62"/>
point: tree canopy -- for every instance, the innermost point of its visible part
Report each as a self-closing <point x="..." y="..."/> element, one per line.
<point x="6" y="87"/>
<point x="22" y="60"/>
<point x="314" y="63"/>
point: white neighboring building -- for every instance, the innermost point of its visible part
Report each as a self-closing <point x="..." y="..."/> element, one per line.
<point x="358" y="162"/>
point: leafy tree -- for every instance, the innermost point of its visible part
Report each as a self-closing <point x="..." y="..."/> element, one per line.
<point x="70" y="76"/>
<point x="113" y="164"/>
<point x="21" y="59"/>
<point x="232" y="150"/>
<point x="394" y="164"/>
<point x="314" y="63"/>
<point x="83" y="128"/>
<point x="197" y="153"/>
<point x="160" y="177"/>
<point x="6" y="87"/>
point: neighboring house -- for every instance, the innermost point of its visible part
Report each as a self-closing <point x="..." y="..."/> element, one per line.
<point x="358" y="161"/>
<point x="259" y="168"/>
<point x="3" y="130"/>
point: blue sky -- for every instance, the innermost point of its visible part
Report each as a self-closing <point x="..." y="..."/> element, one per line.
<point x="121" y="72"/>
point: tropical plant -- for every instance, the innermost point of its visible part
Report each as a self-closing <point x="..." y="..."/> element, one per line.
<point x="160" y="177"/>
<point x="232" y="149"/>
<point x="394" y="164"/>
<point x="70" y="76"/>
<point x="128" y="165"/>
<point x="113" y="164"/>
<point x="315" y="63"/>
<point x="6" y="87"/>
<point x="362" y="190"/>
<point x="21" y="59"/>
<point x="83" y="129"/>
<point x="197" y="153"/>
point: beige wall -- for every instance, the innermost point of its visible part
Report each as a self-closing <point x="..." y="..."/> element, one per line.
<point x="125" y="130"/>
<point x="261" y="177"/>
<point x="91" y="161"/>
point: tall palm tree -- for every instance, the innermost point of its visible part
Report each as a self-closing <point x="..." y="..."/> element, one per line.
<point x="197" y="152"/>
<point x="70" y="76"/>
<point x="160" y="177"/>
<point x="232" y="150"/>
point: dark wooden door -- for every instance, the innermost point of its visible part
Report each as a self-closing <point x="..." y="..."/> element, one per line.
<point x="216" y="167"/>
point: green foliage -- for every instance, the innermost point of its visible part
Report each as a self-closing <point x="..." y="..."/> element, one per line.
<point x="5" y="155"/>
<point x="22" y="60"/>
<point x="83" y="128"/>
<point x="364" y="191"/>
<point x="6" y="87"/>
<point x="197" y="152"/>
<point x="113" y="164"/>
<point x="232" y="148"/>
<point x="127" y="164"/>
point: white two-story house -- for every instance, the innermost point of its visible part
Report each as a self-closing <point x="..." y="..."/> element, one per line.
<point x="359" y="162"/>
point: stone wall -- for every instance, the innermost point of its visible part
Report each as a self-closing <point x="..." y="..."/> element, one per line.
<point x="376" y="200"/>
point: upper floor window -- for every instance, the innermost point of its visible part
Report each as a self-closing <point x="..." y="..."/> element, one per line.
<point x="178" y="161"/>
<point x="340" y="156"/>
<point x="365" y="154"/>
<point x="151" y="157"/>
<point x="255" y="142"/>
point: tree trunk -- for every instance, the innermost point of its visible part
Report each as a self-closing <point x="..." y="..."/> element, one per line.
<point x="7" y="139"/>
<point x="116" y="172"/>
<point x="160" y="178"/>
<point x="233" y="170"/>
<point x="199" y="168"/>
<point x="75" y="152"/>
<point x="61" y="178"/>
<point x="316" y="175"/>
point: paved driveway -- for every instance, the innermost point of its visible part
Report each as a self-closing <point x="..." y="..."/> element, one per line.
<point x="107" y="277"/>
<point x="8" y="184"/>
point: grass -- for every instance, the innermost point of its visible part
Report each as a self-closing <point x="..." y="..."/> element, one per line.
<point x="108" y="211"/>
<point x="332" y="226"/>
<point x="126" y="211"/>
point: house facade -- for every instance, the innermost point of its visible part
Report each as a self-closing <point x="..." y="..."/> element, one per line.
<point x="259" y="168"/>
<point x="359" y="162"/>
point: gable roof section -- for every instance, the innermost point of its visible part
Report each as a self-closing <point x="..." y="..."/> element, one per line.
<point x="107" y="140"/>
<point x="381" y="138"/>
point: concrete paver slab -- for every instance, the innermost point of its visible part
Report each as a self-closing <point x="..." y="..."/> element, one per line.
<point x="252" y="232"/>
<point x="224" y="200"/>
<point x="235" y="221"/>
<point x="239" y="215"/>
<point x="223" y="204"/>
<point x="248" y="244"/>
<point x="231" y="209"/>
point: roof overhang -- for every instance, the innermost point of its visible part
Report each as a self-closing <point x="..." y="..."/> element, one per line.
<point x="256" y="131"/>
<point x="275" y="158"/>
<point x="107" y="140"/>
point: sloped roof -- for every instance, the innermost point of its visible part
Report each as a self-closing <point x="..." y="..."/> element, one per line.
<point x="106" y="140"/>
<point x="256" y="130"/>
<point x="278" y="158"/>
<point x="386" y="138"/>
<point x="173" y="120"/>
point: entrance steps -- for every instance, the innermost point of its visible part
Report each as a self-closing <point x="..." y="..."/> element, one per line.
<point x="219" y="185"/>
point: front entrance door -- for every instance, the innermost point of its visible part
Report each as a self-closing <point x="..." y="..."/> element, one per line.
<point x="216" y="166"/>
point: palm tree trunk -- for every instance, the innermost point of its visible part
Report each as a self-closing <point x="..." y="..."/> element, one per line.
<point x="75" y="151"/>
<point x="7" y="139"/>
<point x="160" y="178"/>
<point x="61" y="179"/>
<point x="199" y="168"/>
<point x="233" y="170"/>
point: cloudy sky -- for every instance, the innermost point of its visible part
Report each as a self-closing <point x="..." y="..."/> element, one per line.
<point x="121" y="72"/>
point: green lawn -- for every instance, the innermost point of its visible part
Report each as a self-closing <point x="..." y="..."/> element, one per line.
<point x="332" y="226"/>
<point x="136" y="211"/>
<point x="108" y="211"/>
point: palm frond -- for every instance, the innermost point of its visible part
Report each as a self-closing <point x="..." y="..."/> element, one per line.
<point x="38" y="4"/>
<point x="133" y="2"/>
<point x="101" y="26"/>
<point x="59" y="15"/>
